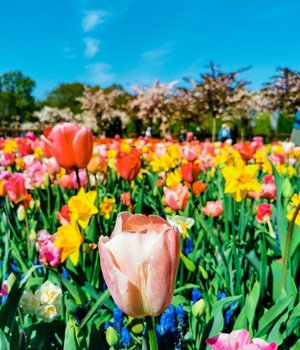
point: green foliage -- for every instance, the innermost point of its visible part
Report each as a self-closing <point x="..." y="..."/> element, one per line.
<point x="65" y="96"/>
<point x="263" y="124"/>
<point x="285" y="123"/>
<point x="16" y="99"/>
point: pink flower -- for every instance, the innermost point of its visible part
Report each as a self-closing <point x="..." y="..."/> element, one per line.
<point x="177" y="197"/>
<point x="238" y="340"/>
<point x="189" y="153"/>
<point x="49" y="254"/>
<point x="141" y="277"/>
<point x="63" y="215"/>
<point x="213" y="209"/>
<point x="65" y="181"/>
<point x="82" y="178"/>
<point x="16" y="189"/>
<point x="264" y="212"/>
<point x="268" y="187"/>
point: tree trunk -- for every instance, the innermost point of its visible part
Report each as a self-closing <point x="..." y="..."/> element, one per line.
<point x="214" y="129"/>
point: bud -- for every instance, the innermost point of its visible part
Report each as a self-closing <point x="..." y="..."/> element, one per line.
<point x="203" y="272"/>
<point x="21" y="213"/>
<point x="155" y="191"/>
<point x="198" y="308"/>
<point x="112" y="336"/>
<point x="32" y="236"/>
<point x="287" y="189"/>
<point x="136" y="325"/>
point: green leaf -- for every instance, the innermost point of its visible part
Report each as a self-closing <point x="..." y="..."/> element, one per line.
<point x="74" y="337"/>
<point x="217" y="313"/>
<point x="268" y="318"/>
<point x="4" y="345"/>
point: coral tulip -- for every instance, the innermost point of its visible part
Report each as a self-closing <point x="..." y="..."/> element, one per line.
<point x="176" y="198"/>
<point x="71" y="145"/>
<point x="141" y="277"/>
<point x="213" y="209"/>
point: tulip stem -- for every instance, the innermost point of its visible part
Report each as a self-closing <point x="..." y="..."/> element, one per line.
<point x="151" y="333"/>
<point x="78" y="178"/>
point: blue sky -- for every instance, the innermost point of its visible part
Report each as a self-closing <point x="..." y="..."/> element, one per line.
<point x="138" y="41"/>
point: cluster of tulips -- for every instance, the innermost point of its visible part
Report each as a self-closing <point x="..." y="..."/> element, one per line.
<point x="148" y="244"/>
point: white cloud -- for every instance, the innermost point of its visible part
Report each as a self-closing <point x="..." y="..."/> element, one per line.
<point x="91" y="47"/>
<point x="92" y="19"/>
<point x="98" y="73"/>
<point x="154" y="55"/>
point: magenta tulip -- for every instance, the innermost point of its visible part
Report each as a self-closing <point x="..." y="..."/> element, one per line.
<point x="139" y="263"/>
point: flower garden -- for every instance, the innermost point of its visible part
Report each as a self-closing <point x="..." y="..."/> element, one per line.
<point x="111" y="243"/>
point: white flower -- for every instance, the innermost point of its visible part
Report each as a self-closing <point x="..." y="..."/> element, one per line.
<point x="47" y="312"/>
<point x="49" y="293"/>
<point x="181" y="223"/>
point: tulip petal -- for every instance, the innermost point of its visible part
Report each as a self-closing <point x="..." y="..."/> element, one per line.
<point x="125" y="294"/>
<point x="83" y="147"/>
<point x="159" y="283"/>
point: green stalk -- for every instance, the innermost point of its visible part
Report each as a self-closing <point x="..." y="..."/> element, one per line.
<point x="151" y="333"/>
<point x="102" y="299"/>
<point x="287" y="247"/>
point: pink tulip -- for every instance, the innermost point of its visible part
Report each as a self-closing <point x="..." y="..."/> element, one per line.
<point x="264" y="212"/>
<point x="139" y="263"/>
<point x="238" y="340"/>
<point x="268" y="187"/>
<point x="213" y="209"/>
<point x="177" y="197"/>
<point x="16" y="188"/>
<point x="71" y="145"/>
<point x="189" y="153"/>
<point x="49" y="254"/>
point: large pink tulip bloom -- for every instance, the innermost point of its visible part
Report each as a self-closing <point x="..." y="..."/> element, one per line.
<point x="139" y="263"/>
<point x="238" y="340"/>
<point x="71" y="145"/>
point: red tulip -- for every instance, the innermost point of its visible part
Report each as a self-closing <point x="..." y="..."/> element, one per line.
<point x="190" y="171"/>
<point x="71" y="145"/>
<point x="140" y="277"/>
<point x="128" y="165"/>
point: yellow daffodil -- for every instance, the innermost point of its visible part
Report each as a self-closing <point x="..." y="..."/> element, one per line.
<point x="82" y="207"/>
<point x="107" y="206"/>
<point x="240" y="180"/>
<point x="173" y="178"/>
<point x="10" y="146"/>
<point x="69" y="239"/>
<point x="38" y="152"/>
<point x="294" y="202"/>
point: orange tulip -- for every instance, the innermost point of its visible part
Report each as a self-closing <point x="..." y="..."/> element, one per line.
<point x="198" y="187"/>
<point x="190" y="171"/>
<point x="141" y="277"/>
<point x="71" y="145"/>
